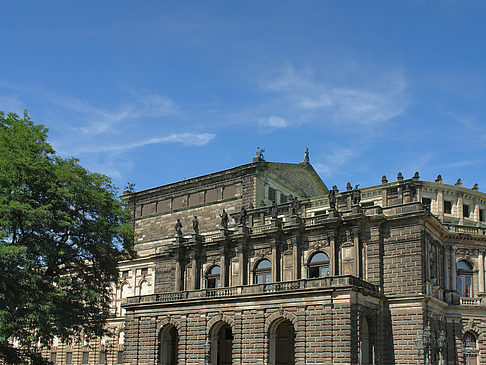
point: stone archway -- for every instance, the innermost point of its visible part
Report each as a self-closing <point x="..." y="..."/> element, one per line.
<point x="281" y="342"/>
<point x="221" y="337"/>
<point x="168" y="345"/>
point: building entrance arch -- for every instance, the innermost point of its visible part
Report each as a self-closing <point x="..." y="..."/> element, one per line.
<point x="282" y="343"/>
<point x="221" y="337"/>
<point x="168" y="346"/>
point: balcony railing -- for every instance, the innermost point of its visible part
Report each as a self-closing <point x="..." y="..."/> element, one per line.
<point x="470" y="301"/>
<point x="465" y="229"/>
<point x="283" y="286"/>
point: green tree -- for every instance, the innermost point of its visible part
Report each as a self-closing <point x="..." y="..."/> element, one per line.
<point x="62" y="232"/>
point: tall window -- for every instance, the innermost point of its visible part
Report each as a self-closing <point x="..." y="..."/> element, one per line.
<point x="319" y="265"/>
<point x="263" y="272"/>
<point x="214" y="277"/>
<point x="69" y="358"/>
<point x="464" y="279"/>
<point x="447" y="207"/>
<point x="466" y="211"/>
<point x="470" y="348"/>
<point x="85" y="358"/>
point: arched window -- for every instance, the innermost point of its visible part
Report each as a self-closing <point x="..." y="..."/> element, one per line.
<point x="464" y="279"/>
<point x="221" y="352"/>
<point x="144" y="288"/>
<point x="282" y="343"/>
<point x="214" y="277"/>
<point x="319" y="265"/>
<point x="469" y="348"/>
<point x="168" y="346"/>
<point x="263" y="272"/>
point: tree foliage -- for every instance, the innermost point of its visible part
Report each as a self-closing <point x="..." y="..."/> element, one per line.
<point x="62" y="232"/>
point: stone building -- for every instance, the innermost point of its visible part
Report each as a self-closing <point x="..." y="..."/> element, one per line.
<point x="301" y="275"/>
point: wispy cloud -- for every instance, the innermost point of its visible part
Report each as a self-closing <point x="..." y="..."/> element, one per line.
<point x="303" y="91"/>
<point x="335" y="159"/>
<point x="188" y="139"/>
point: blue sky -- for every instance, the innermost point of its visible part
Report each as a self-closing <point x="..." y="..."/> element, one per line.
<point x="154" y="92"/>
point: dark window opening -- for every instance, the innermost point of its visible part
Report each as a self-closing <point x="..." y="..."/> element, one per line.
<point x="52" y="357"/>
<point x="271" y="193"/>
<point x="481" y="215"/>
<point x="427" y="203"/>
<point x="465" y="211"/>
<point x="447" y="207"/>
<point x="102" y="357"/>
<point x="144" y="271"/>
<point x="125" y="274"/>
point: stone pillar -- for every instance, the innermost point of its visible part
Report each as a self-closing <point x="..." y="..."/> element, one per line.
<point x="356" y="260"/>
<point x="177" y="281"/>
<point x="224" y="281"/>
<point x="459" y="210"/>
<point x="194" y="273"/>
<point x="440" y="205"/>
<point x="447" y="272"/>
<point x="241" y="264"/>
<point x="332" y="251"/>
<point x="476" y="214"/>
<point x="274" y="262"/>
<point x="481" y="272"/>
<point x="453" y="268"/>
<point x="295" y="259"/>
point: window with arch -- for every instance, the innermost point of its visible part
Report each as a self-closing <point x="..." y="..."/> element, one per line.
<point x="263" y="272"/>
<point x="213" y="279"/>
<point x="318" y="265"/>
<point x="464" y="279"/>
<point x="469" y="348"/>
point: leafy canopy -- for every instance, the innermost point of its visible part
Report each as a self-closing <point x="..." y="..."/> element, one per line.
<point x="62" y="232"/>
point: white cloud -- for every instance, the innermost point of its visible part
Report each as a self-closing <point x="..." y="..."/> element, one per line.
<point x="301" y="91"/>
<point x="333" y="162"/>
<point x="188" y="139"/>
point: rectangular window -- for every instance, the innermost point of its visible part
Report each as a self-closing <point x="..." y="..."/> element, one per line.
<point x="465" y="211"/>
<point x="52" y="357"/>
<point x="119" y="357"/>
<point x="144" y="271"/>
<point x="427" y="203"/>
<point x="69" y="358"/>
<point x="85" y="358"/>
<point x="125" y="274"/>
<point x="271" y="193"/>
<point x="447" y="207"/>
<point x="481" y="215"/>
<point x="283" y="198"/>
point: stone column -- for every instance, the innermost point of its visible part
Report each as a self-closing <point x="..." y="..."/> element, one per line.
<point x="447" y="272"/>
<point x="295" y="259"/>
<point x="224" y="282"/>
<point x="241" y="263"/>
<point x="459" y="210"/>
<point x="453" y="268"/>
<point x="356" y="264"/>
<point x="332" y="251"/>
<point x="177" y="281"/>
<point x="274" y="262"/>
<point x="440" y="204"/>
<point x="481" y="272"/>
<point x="476" y="214"/>
<point x="194" y="273"/>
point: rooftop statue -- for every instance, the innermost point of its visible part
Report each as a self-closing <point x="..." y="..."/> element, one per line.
<point x="224" y="219"/>
<point x="274" y="210"/>
<point x="178" y="227"/>
<point x="243" y="216"/>
<point x="306" y="156"/>
<point x="356" y="195"/>
<point x="195" y="225"/>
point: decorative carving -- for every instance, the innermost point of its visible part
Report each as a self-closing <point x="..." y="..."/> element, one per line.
<point x="195" y="225"/>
